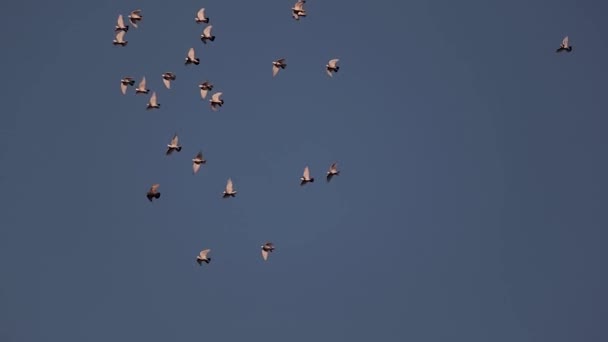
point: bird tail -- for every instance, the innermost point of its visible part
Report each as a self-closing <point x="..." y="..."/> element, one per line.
<point x="157" y="195"/>
<point x="312" y="180"/>
<point x="212" y="38"/>
<point x="179" y="149"/>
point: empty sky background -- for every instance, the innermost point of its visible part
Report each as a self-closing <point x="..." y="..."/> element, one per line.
<point x="471" y="204"/>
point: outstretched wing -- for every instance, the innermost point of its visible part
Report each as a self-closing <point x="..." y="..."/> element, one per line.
<point x="332" y="63"/>
<point x="264" y="255"/>
<point x="167" y="83"/>
<point x="123" y="88"/>
<point x="565" y="42"/>
<point x="229" y="186"/>
<point x="154" y="188"/>
<point x="175" y="140"/>
<point x="207" y="31"/>
<point x="216" y="97"/>
<point x="204" y="93"/>
<point x="142" y="84"/>
<point x="275" y="70"/>
<point x="120" y="36"/>
<point x="191" y="53"/>
<point x="203" y="253"/>
<point x="333" y="167"/>
<point x="201" y="14"/>
<point x="306" y="173"/>
<point x="120" y="21"/>
<point x="153" y="99"/>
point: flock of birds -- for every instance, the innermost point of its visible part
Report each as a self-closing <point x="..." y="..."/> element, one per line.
<point x="298" y="11"/>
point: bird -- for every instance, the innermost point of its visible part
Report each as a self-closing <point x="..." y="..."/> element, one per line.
<point x="135" y="17"/>
<point x="306" y="177"/>
<point x="153" y="192"/>
<point x="229" y="191"/>
<point x="207" y="34"/>
<point x="167" y="78"/>
<point x="173" y="145"/>
<point x="191" y="58"/>
<point x="564" y="45"/>
<point x="333" y="171"/>
<point x="200" y="17"/>
<point x="120" y="24"/>
<point x="125" y="82"/>
<point x="120" y="39"/>
<point x="278" y="65"/>
<point x="298" y="10"/>
<point x="216" y="101"/>
<point x="205" y="88"/>
<point x="267" y="248"/>
<point x="197" y="162"/>
<point x="153" y="103"/>
<point x="202" y="257"/>
<point x="332" y="66"/>
<point x="141" y="88"/>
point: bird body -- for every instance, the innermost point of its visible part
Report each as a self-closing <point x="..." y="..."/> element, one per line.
<point x="278" y="65"/>
<point x="333" y="171"/>
<point x="203" y="257"/>
<point x="229" y="190"/>
<point x="267" y="248"/>
<point x="216" y="101"/>
<point x="141" y="87"/>
<point x="173" y="145"/>
<point x="205" y="87"/>
<point x="206" y="35"/>
<point x="120" y="39"/>
<point x="564" y="46"/>
<point x="126" y="82"/>
<point x="167" y="78"/>
<point x="306" y="178"/>
<point x="120" y="24"/>
<point x="332" y="67"/>
<point x="135" y="17"/>
<point x="191" y="58"/>
<point x="298" y="10"/>
<point x="153" y="193"/>
<point x="153" y="103"/>
<point x="200" y="17"/>
<point x="197" y="161"/>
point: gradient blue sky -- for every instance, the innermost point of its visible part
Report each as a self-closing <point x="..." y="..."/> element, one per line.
<point x="471" y="204"/>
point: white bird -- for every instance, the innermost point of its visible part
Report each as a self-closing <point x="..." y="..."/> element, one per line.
<point x="564" y="45"/>
<point x="216" y="101"/>
<point x="135" y="17"/>
<point x="191" y="58"/>
<point x="278" y="65"/>
<point x="207" y="34"/>
<point x="126" y="82"/>
<point x="267" y="248"/>
<point x="120" y="24"/>
<point x="306" y="177"/>
<point x="141" y="88"/>
<point x="229" y="190"/>
<point x="153" y="103"/>
<point x="197" y="162"/>
<point x="202" y="257"/>
<point x="205" y="88"/>
<point x="298" y="10"/>
<point x="333" y="171"/>
<point x="153" y="192"/>
<point x="120" y="39"/>
<point x="167" y="78"/>
<point x="200" y="17"/>
<point x="332" y="66"/>
<point x="173" y="145"/>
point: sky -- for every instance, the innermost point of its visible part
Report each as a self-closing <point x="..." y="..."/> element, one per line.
<point x="470" y="204"/>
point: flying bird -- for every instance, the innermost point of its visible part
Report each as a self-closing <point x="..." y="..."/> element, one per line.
<point x="278" y="65"/>
<point x="229" y="191"/>
<point x="205" y="88"/>
<point x="332" y="66"/>
<point x="564" y="45"/>
<point x="153" y="103"/>
<point x="120" y="24"/>
<point x="306" y="177"/>
<point x="267" y="248"/>
<point x="202" y="257"/>
<point x="173" y="145"/>
<point x="141" y="88"/>
<point x="135" y="17"/>
<point x="191" y="58"/>
<point x="120" y="39"/>
<point x="298" y="10"/>
<point x="216" y="101"/>
<point x="207" y="34"/>
<point x="200" y="17"/>
<point x="333" y="171"/>
<point x="126" y="82"/>
<point x="153" y="192"/>
<point x="167" y="78"/>
<point x="197" y="162"/>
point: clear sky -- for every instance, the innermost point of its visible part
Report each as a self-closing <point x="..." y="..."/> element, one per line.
<point x="471" y="204"/>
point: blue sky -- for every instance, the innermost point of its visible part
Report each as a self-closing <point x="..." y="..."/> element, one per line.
<point x="470" y="207"/>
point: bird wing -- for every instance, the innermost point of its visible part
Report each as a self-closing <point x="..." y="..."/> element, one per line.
<point x="153" y="99"/>
<point x="203" y="253"/>
<point x="120" y="36"/>
<point x="175" y="140"/>
<point x="565" y="42"/>
<point x="123" y="88"/>
<point x="216" y="97"/>
<point x="299" y="6"/>
<point x="120" y="21"/>
<point x="199" y="156"/>
<point x="142" y="84"/>
<point x="204" y="93"/>
<point x="329" y="72"/>
<point x="167" y="83"/>
<point x="229" y="186"/>
<point x="154" y="188"/>
<point x="306" y="173"/>
<point x="280" y="60"/>
<point x="275" y="70"/>
<point x="195" y="167"/>
<point x="333" y="167"/>
<point x="201" y="14"/>
<point x="207" y="31"/>
<point x="332" y="63"/>
<point x="264" y="255"/>
<point x="191" y="53"/>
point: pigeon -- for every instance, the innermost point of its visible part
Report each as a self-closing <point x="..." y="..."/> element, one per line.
<point x="278" y="65"/>
<point x="332" y="66"/>
<point x="205" y="88"/>
<point x="229" y="191"/>
<point x="153" y="104"/>
<point x="120" y="39"/>
<point x="207" y="34"/>
<point x="333" y="171"/>
<point x="306" y="177"/>
<point x="216" y="101"/>
<point x="153" y="192"/>
<point x="202" y="257"/>
<point x="200" y="17"/>
<point x="120" y="24"/>
<point x="298" y="10"/>
<point x="135" y="17"/>
<point x="173" y="145"/>
<point x="125" y="82"/>
<point x="197" y="162"/>
<point x="564" y="45"/>
<point x="267" y="248"/>
<point x="191" y="58"/>
<point x="141" y="88"/>
<point x="167" y="78"/>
